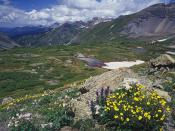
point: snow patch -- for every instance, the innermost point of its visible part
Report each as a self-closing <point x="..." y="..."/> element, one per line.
<point x="162" y="40"/>
<point x="170" y="52"/>
<point x="117" y="65"/>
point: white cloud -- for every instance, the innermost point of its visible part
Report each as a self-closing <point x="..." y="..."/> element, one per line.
<point x="71" y="10"/>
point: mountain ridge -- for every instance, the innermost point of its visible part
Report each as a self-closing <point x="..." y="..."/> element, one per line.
<point x="154" y="22"/>
<point x="59" y="34"/>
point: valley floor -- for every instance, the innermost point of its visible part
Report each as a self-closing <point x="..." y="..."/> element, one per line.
<point x="27" y="70"/>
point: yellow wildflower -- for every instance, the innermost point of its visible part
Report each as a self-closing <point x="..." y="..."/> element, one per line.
<point x="148" y="103"/>
<point x="133" y="112"/>
<point x="161" y="129"/>
<point x="159" y="110"/>
<point x="168" y="109"/>
<point x="136" y="99"/>
<point x="140" y="118"/>
<point x="115" y="116"/>
<point x="146" y="114"/>
<point x="107" y="109"/>
<point x="127" y="119"/>
<point x="149" y="117"/>
<point x="143" y="97"/>
<point x="162" y="118"/>
<point x="158" y="97"/>
<point x="156" y="115"/>
<point x="163" y="102"/>
<point x="121" y="114"/>
<point x="116" y="109"/>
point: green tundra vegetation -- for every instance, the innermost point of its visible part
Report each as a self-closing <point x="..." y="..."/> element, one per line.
<point x="40" y="79"/>
<point x="27" y="70"/>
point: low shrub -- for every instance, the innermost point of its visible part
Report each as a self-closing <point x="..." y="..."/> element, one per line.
<point x="83" y="125"/>
<point x="45" y="100"/>
<point x="24" y="125"/>
<point x="60" y="117"/>
<point x="134" y="109"/>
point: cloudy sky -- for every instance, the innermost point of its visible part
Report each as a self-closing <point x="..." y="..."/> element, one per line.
<point x="15" y="13"/>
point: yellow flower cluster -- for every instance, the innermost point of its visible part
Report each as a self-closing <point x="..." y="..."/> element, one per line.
<point x="137" y="105"/>
<point x="19" y="100"/>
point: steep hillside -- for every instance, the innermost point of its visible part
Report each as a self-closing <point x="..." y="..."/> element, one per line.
<point x="155" y="21"/>
<point x="77" y="32"/>
<point x="65" y="33"/>
<point x="61" y="35"/>
<point x="104" y="31"/>
<point x="6" y="42"/>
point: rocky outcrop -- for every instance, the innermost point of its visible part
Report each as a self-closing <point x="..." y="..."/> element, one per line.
<point x="163" y="61"/>
<point x="114" y="79"/>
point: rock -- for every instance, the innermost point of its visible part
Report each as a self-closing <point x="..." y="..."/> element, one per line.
<point x="163" y="61"/>
<point x="68" y="61"/>
<point x="163" y="94"/>
<point x="52" y="82"/>
<point x="26" y="116"/>
<point x="36" y="64"/>
<point x="169" y="78"/>
<point x="79" y="55"/>
<point x="157" y="84"/>
<point x="7" y="100"/>
<point x="46" y="125"/>
<point x="50" y="70"/>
